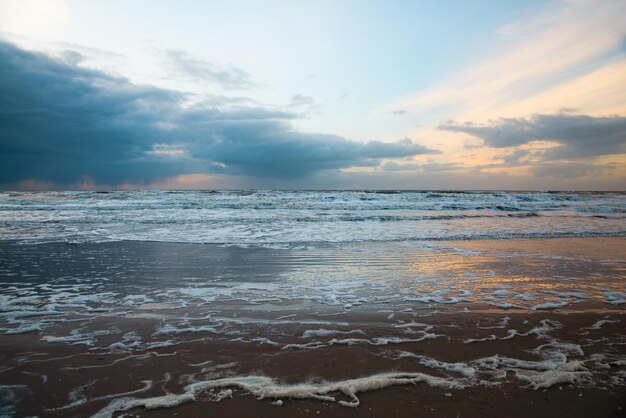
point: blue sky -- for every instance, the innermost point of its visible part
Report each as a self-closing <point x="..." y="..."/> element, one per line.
<point x="355" y="94"/>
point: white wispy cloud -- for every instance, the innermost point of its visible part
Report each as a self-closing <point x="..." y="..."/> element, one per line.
<point x="564" y="55"/>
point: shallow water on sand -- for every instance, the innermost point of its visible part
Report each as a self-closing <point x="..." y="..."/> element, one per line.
<point x="135" y="325"/>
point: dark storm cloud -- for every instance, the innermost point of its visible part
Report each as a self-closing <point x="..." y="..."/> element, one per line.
<point x="226" y="77"/>
<point x="579" y="136"/>
<point x="277" y="151"/>
<point x="60" y="122"/>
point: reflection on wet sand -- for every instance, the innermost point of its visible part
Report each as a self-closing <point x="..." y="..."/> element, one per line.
<point x="133" y="326"/>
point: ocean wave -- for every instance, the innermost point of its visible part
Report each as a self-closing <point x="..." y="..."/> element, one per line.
<point x="267" y="217"/>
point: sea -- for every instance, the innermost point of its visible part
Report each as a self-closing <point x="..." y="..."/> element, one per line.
<point x="287" y="219"/>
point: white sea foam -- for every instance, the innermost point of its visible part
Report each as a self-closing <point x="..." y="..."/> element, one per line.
<point x="502" y="324"/>
<point x="77" y="398"/>
<point x="477" y="340"/>
<point x="98" y="366"/>
<point x="507" y="305"/>
<point x="501" y="293"/>
<point x="158" y="344"/>
<point x="169" y="329"/>
<point x="377" y="341"/>
<point x="578" y="295"/>
<point x="542" y="330"/>
<point x="27" y="314"/>
<point x="599" y="324"/>
<point x="614" y="297"/>
<point x="496" y="362"/>
<point x="462" y="368"/>
<point x="9" y="395"/>
<point x="510" y="334"/>
<point x="573" y="373"/>
<point x="133" y="300"/>
<point x="23" y="329"/>
<point x="77" y="337"/>
<point x="536" y="374"/>
<point x="241" y="321"/>
<point x="436" y="296"/>
<point x="554" y="367"/>
<point x="132" y="341"/>
<point x="549" y="305"/>
<point x="325" y="332"/>
<point x="413" y="324"/>
<point x="286" y="316"/>
<point x="267" y="388"/>
<point x="563" y="347"/>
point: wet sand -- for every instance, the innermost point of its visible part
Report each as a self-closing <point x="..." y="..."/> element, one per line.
<point x="440" y="334"/>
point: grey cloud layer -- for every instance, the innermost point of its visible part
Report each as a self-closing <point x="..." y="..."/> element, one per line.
<point x="579" y="136"/>
<point x="228" y="78"/>
<point x="59" y="122"/>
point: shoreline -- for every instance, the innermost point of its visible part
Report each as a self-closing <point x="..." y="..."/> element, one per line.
<point x="382" y="331"/>
<point x="460" y="359"/>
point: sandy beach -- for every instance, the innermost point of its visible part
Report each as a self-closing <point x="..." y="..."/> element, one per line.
<point x="522" y="326"/>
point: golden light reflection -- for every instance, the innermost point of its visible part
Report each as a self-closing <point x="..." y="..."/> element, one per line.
<point x="522" y="272"/>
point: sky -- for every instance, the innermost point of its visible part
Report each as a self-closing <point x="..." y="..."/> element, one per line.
<point x="318" y="95"/>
